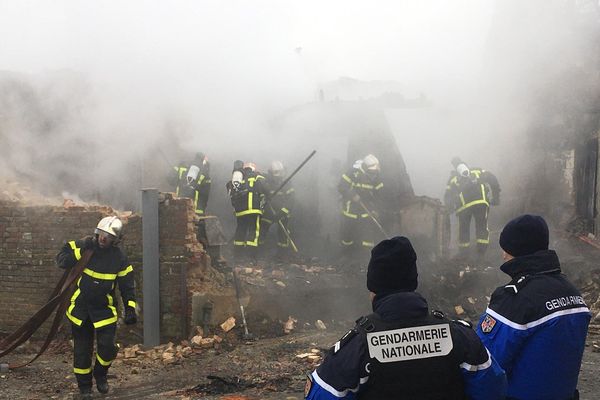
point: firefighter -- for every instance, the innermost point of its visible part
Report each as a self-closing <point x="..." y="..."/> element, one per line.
<point x="361" y="191"/>
<point x="93" y="305"/>
<point x="278" y="207"/>
<point x="194" y="182"/>
<point x="470" y="193"/>
<point x="247" y="190"/>
<point x="177" y="176"/>
<point x="402" y="350"/>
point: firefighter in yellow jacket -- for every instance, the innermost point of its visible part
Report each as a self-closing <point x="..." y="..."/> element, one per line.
<point x="192" y="180"/>
<point x="361" y="191"/>
<point x="470" y="193"/>
<point x="278" y="208"/>
<point x="93" y="305"/>
<point x="247" y="190"/>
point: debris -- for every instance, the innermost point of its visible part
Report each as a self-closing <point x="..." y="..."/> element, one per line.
<point x="168" y="358"/>
<point x="278" y="274"/>
<point x="289" y="325"/>
<point x="320" y="325"/>
<point x="228" y="324"/>
<point x="199" y="331"/>
<point x="459" y="310"/>
<point x="130" y="352"/>
<point x="280" y="284"/>
<point x="197" y="340"/>
<point x="314" y="358"/>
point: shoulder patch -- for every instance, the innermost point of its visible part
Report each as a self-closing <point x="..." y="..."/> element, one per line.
<point x="488" y="324"/>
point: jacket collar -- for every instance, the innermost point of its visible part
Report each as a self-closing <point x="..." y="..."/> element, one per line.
<point x="540" y="262"/>
<point x="402" y="305"/>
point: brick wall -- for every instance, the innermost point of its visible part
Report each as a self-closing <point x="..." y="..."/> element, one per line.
<point x="30" y="237"/>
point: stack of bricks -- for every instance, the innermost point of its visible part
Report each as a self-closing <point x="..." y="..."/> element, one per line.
<point x="30" y="237"/>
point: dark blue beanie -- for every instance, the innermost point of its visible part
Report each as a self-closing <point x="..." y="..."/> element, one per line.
<point x="525" y="235"/>
<point x="393" y="267"/>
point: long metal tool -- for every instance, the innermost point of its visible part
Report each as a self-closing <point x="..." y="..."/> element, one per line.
<point x="370" y="214"/>
<point x="286" y="180"/>
<point x="247" y="335"/>
<point x="285" y="231"/>
<point x="288" y="236"/>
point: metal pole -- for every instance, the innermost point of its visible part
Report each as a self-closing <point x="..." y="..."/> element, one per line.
<point x="270" y="196"/>
<point x="151" y="272"/>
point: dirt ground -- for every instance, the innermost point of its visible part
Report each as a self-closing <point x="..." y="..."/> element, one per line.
<point x="275" y="366"/>
<point x="264" y="369"/>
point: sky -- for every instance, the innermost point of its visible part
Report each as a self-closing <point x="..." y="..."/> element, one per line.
<point x="123" y="73"/>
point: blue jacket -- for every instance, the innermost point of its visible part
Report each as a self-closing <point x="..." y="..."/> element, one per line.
<point x="535" y="326"/>
<point x="344" y="373"/>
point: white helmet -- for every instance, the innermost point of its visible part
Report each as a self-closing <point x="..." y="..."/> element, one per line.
<point x="276" y="168"/>
<point x="371" y="163"/>
<point x="111" y="225"/>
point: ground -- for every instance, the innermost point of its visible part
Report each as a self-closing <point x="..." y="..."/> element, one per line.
<point x="265" y="369"/>
<point x="274" y="367"/>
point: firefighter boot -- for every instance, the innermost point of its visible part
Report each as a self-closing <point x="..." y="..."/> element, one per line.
<point x="85" y="393"/>
<point x="102" y="384"/>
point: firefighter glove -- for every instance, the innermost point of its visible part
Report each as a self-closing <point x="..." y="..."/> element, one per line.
<point x="130" y="316"/>
<point x="281" y="214"/>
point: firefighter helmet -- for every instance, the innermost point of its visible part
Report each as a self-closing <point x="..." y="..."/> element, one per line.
<point x="111" y="225"/>
<point x="251" y="166"/>
<point x="371" y="163"/>
<point x="276" y="168"/>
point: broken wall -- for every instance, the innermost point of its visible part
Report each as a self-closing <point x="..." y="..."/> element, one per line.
<point x="30" y="237"/>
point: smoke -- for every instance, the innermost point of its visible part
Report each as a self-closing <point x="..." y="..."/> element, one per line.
<point x="92" y="91"/>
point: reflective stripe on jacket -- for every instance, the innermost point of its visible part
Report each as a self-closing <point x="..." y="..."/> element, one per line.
<point x="94" y="297"/>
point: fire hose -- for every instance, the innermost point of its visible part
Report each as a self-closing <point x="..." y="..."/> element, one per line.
<point x="58" y="300"/>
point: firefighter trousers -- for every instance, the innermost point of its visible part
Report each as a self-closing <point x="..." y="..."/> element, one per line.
<point x="83" y="349"/>
<point x="358" y="234"/>
<point x="247" y="233"/>
<point x="282" y="238"/>
<point x="479" y="212"/>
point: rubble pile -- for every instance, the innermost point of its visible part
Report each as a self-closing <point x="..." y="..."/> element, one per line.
<point x="591" y="294"/>
<point x="16" y="192"/>
<point x="166" y="354"/>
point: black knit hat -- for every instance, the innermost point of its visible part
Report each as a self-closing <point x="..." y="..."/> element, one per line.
<point x="393" y="267"/>
<point x="525" y="235"/>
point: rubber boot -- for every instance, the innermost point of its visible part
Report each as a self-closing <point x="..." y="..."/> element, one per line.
<point x="102" y="385"/>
